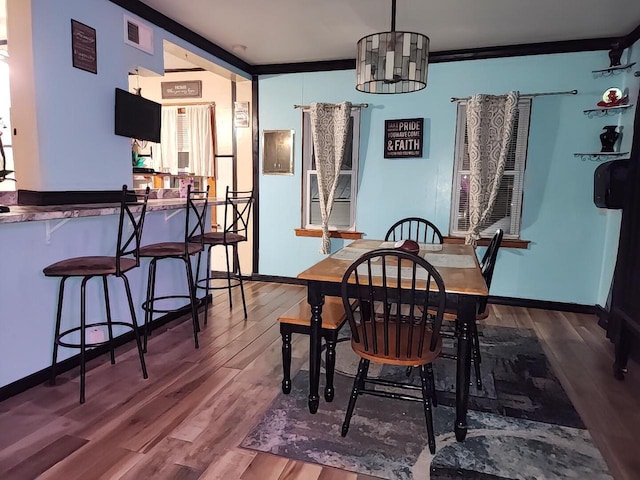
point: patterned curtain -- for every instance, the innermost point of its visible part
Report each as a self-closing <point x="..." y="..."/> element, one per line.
<point x="490" y="128"/>
<point x="330" y="129"/>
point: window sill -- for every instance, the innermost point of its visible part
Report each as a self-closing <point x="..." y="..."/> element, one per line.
<point x="484" y="242"/>
<point x="349" y="235"/>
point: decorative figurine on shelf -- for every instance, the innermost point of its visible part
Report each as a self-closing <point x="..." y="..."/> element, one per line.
<point x="613" y="97"/>
<point x="608" y="138"/>
<point x="614" y="54"/>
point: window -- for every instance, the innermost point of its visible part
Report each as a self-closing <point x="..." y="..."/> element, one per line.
<point x="508" y="207"/>
<point x="343" y="214"/>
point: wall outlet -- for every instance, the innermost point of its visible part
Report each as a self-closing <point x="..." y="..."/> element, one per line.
<point x="96" y="335"/>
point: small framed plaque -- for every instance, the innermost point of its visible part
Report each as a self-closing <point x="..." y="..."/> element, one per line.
<point x="277" y="152"/>
<point x="186" y="89"/>
<point x="83" y="47"/>
<point x="403" y="138"/>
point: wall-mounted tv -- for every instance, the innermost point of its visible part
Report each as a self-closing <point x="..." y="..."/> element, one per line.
<point x="137" y="117"/>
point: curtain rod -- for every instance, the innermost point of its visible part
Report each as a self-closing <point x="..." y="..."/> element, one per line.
<point x="568" y="92"/>
<point x="212" y="104"/>
<point x="355" y="105"/>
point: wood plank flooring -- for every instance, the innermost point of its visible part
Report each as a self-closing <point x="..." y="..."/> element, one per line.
<point x="187" y="420"/>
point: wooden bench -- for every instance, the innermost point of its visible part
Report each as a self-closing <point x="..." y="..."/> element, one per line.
<point x="297" y="320"/>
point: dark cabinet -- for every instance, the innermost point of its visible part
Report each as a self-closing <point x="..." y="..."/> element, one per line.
<point x="624" y="320"/>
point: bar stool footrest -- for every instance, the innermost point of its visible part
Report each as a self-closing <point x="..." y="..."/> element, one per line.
<point x="145" y="305"/>
<point x="59" y="338"/>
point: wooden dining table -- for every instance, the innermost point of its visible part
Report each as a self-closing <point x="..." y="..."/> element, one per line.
<point x="464" y="286"/>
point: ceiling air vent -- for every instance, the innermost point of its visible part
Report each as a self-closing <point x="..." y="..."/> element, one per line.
<point x="138" y="34"/>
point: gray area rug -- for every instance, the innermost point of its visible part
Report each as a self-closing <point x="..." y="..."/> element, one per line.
<point x="388" y="439"/>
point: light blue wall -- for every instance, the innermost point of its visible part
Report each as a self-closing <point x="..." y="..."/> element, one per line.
<point x="75" y="108"/>
<point x="567" y="232"/>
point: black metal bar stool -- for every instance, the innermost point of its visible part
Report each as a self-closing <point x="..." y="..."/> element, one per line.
<point x="196" y="209"/>
<point x="237" y="213"/>
<point x="126" y="258"/>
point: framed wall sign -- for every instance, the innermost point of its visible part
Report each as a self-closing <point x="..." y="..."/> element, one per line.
<point x="403" y="138"/>
<point x="83" y="47"/>
<point x="185" y="89"/>
<point x="241" y="114"/>
<point x="277" y="152"/>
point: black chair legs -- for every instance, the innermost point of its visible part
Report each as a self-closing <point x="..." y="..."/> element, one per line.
<point x="149" y="303"/>
<point x="134" y="325"/>
<point x="286" y="361"/>
<point x="82" y="329"/>
<point x="56" y="337"/>
<point x="237" y="262"/>
<point x="330" y="366"/>
<point x="426" y="402"/>
<point x="358" y="384"/>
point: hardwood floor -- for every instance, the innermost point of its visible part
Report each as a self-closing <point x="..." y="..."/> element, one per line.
<point x="187" y="420"/>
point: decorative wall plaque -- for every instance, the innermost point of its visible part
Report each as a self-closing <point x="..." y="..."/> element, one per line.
<point x="403" y="138"/>
<point x="185" y="89"/>
<point x="83" y="47"/>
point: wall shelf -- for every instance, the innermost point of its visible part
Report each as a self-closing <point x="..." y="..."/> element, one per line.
<point x="606" y="111"/>
<point x="601" y="156"/>
<point x="606" y="72"/>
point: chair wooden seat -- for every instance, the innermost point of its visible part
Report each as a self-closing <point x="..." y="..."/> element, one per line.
<point x="219" y="238"/>
<point x="87" y="266"/>
<point x="169" y="249"/>
<point x="298" y="320"/>
<point x="333" y="316"/>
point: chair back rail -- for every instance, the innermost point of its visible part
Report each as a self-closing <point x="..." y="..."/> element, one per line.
<point x="394" y="290"/>
<point x="130" y="245"/>
<point x="416" y="229"/>
<point x="488" y="264"/>
<point x="196" y="217"/>
<point x="237" y="212"/>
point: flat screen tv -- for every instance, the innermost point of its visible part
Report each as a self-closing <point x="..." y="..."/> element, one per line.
<point x="137" y="117"/>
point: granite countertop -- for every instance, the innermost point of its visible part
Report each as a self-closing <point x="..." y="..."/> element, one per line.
<point x="28" y="213"/>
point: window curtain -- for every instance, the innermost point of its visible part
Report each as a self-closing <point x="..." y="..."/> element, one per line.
<point x="168" y="148"/>
<point x="201" y="152"/>
<point x="330" y="130"/>
<point x="490" y="128"/>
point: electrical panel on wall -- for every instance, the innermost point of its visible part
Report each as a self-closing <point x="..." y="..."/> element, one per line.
<point x="138" y="34"/>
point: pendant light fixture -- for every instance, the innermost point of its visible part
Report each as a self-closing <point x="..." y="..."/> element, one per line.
<point x="392" y="62"/>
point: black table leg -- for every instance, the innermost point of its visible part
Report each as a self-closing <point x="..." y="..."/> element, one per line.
<point x="466" y="316"/>
<point x="315" y="299"/>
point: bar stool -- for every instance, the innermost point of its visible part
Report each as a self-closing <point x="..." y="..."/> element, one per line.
<point x="126" y="258"/>
<point x="196" y="209"/>
<point x="237" y="213"/>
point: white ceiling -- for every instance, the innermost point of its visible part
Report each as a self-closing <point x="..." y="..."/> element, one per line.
<point x="283" y="31"/>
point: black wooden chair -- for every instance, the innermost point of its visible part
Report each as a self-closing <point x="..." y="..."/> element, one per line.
<point x="487" y="265"/>
<point x="126" y="258"/>
<point x="416" y="229"/>
<point x="404" y="287"/>
<point x="195" y="217"/>
<point x="237" y="215"/>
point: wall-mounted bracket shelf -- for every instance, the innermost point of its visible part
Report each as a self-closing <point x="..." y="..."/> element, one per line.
<point x="601" y="156"/>
<point x="604" y="112"/>
<point x="606" y="72"/>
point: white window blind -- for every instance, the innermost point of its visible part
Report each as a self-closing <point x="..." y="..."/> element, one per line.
<point x="507" y="210"/>
<point x="183" y="141"/>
